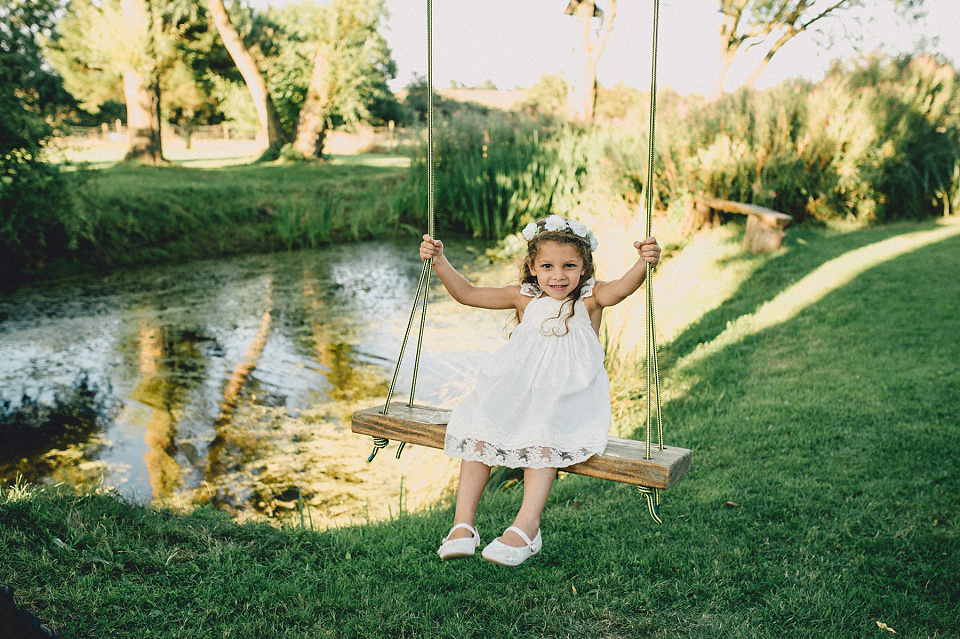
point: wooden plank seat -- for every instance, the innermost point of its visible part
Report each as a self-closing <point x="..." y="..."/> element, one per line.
<point x="622" y="461"/>
<point x="765" y="227"/>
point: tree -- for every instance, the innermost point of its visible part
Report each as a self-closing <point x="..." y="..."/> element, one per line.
<point x="199" y="63"/>
<point x="110" y="51"/>
<point x="93" y="50"/>
<point x="350" y="71"/>
<point x="87" y="52"/>
<point x="186" y="102"/>
<point x="770" y="24"/>
<point x="270" y="133"/>
<point x="141" y="82"/>
<point x="582" y="97"/>
<point x="547" y="96"/>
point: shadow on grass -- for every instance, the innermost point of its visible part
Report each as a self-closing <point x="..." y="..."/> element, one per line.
<point x="821" y="500"/>
<point x="804" y="250"/>
<point x="831" y="431"/>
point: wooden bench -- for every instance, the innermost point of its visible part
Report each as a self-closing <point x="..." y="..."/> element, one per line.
<point x="623" y="460"/>
<point x="765" y="227"/>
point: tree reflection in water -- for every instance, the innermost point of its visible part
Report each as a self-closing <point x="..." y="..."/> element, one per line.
<point x="233" y="380"/>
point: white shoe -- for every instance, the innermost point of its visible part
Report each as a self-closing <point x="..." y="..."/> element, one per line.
<point x="500" y="553"/>
<point x="459" y="548"/>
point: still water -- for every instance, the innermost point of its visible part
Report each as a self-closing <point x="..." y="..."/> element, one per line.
<point x="230" y="380"/>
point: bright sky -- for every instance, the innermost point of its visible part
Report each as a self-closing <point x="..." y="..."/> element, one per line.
<point x="515" y="42"/>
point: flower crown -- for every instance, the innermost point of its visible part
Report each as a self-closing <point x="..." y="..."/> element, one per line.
<point x="557" y="223"/>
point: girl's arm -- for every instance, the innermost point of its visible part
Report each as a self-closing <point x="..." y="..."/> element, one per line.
<point x="615" y="291"/>
<point x="460" y="288"/>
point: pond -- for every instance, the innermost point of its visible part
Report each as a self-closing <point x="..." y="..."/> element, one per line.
<point x="232" y="381"/>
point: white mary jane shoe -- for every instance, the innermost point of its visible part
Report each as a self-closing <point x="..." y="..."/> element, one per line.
<point x="500" y="553"/>
<point x="459" y="548"/>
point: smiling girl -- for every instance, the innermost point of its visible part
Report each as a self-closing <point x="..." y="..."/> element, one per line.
<point x="542" y="401"/>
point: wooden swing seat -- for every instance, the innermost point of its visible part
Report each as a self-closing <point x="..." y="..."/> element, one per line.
<point x="622" y="461"/>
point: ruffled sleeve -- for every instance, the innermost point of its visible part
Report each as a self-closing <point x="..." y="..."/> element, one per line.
<point x="530" y="289"/>
<point x="587" y="290"/>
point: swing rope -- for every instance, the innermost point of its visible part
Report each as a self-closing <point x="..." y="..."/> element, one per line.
<point x="423" y="285"/>
<point x="652" y="495"/>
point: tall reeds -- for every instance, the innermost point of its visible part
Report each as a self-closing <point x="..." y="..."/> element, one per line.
<point x="491" y="175"/>
<point x="878" y="141"/>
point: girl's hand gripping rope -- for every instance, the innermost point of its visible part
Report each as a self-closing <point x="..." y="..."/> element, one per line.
<point x="648" y="250"/>
<point x="430" y="248"/>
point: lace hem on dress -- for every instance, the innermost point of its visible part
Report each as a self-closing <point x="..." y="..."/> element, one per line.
<point x="471" y="449"/>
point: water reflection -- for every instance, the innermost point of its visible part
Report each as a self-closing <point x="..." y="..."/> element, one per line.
<point x="230" y="380"/>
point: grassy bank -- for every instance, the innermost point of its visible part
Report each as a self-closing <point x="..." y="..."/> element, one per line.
<point x="821" y="404"/>
<point x="134" y="215"/>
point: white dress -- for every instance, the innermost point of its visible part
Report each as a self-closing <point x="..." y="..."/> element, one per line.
<point x="543" y="399"/>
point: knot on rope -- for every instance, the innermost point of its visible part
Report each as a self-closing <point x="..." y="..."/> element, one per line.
<point x="378" y="443"/>
<point x="653" y="501"/>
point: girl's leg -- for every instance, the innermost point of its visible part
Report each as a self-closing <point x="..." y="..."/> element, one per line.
<point x="536" y="488"/>
<point x="473" y="478"/>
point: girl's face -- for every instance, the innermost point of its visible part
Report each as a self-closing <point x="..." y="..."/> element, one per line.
<point x="558" y="268"/>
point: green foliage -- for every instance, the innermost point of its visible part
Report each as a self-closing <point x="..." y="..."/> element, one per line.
<point x="88" y="53"/>
<point x="39" y="217"/>
<point x="619" y="103"/>
<point x="27" y="80"/>
<point x="547" y="96"/>
<point x="878" y="142"/>
<point x="360" y="63"/>
<point x="915" y="108"/>
<point x="308" y="224"/>
<point x="92" y="48"/>
<point x="416" y="103"/>
<point x="186" y="101"/>
<point x="745" y="147"/>
<point x="139" y="215"/>
<point x="234" y="102"/>
<point x="493" y="175"/>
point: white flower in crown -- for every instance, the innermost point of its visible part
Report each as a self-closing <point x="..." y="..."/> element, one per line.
<point x="554" y="223"/>
<point x="529" y="231"/>
<point x="594" y="243"/>
<point x="579" y="228"/>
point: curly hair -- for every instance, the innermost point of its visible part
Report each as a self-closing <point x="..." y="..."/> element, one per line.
<point x="562" y="236"/>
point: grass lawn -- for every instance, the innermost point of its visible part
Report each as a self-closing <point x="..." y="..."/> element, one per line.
<point x="822" y="402"/>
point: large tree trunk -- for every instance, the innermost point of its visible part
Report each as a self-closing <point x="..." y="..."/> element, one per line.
<point x="312" y="125"/>
<point x="143" y="119"/>
<point x="141" y="88"/>
<point x="270" y="134"/>
<point x="582" y="92"/>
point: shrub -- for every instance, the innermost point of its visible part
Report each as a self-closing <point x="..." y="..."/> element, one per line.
<point x="880" y="141"/>
<point x="39" y="215"/>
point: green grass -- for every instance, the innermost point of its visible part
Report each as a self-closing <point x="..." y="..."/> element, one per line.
<point x="834" y="432"/>
<point x="138" y="214"/>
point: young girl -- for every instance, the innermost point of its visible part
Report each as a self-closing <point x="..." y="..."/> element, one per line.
<point x="542" y="401"/>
